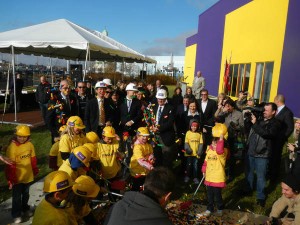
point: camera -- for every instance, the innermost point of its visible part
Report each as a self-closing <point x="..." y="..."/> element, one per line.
<point x="257" y="111"/>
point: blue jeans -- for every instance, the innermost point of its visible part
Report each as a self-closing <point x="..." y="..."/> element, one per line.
<point x="192" y="167"/>
<point x="214" y="195"/>
<point x="259" y="165"/>
<point x="20" y="197"/>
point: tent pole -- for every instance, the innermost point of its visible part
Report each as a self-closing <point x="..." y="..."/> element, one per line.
<point x="51" y="71"/>
<point x="86" y="58"/>
<point x="14" y="79"/>
<point x="6" y="92"/>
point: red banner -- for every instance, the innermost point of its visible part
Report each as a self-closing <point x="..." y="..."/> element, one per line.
<point x="227" y="77"/>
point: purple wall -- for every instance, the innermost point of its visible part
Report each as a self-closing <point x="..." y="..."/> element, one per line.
<point x="209" y="41"/>
<point x="290" y="65"/>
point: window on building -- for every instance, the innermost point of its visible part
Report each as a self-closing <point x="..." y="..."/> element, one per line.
<point x="240" y="74"/>
<point x="263" y="79"/>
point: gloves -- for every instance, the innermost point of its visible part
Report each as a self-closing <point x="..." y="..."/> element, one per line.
<point x="187" y="149"/>
<point x="200" y="150"/>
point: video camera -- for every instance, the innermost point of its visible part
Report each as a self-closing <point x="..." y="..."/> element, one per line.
<point x="257" y="111"/>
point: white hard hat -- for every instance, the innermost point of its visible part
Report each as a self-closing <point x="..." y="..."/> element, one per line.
<point x="131" y="87"/>
<point x="107" y="81"/>
<point x="100" y="84"/>
<point x="161" y="94"/>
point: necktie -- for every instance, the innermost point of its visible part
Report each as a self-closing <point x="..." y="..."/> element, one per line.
<point x="102" y="113"/>
<point x="159" y="114"/>
<point x="128" y="104"/>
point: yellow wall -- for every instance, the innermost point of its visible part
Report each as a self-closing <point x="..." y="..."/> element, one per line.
<point x="190" y="63"/>
<point x="255" y="33"/>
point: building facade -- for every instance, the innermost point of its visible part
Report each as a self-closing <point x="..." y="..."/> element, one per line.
<point x="260" y="41"/>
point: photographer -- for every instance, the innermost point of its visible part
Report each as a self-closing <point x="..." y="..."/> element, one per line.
<point x="286" y="210"/>
<point x="241" y="102"/>
<point x="294" y="152"/>
<point x="260" y="145"/>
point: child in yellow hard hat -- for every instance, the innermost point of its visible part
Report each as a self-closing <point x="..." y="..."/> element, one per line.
<point x="78" y="202"/>
<point x="55" y="160"/>
<point x="57" y="186"/>
<point x="109" y="156"/>
<point x="72" y="136"/>
<point x="142" y="159"/>
<point x="21" y="173"/>
<point x="213" y="169"/>
<point x="78" y="163"/>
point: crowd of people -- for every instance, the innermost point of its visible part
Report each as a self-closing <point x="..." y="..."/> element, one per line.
<point x="101" y="134"/>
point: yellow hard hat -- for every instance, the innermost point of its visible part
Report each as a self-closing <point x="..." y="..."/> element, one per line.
<point x="219" y="129"/>
<point x="92" y="148"/>
<point x="109" y="131"/>
<point x="92" y="137"/>
<point x="83" y="154"/>
<point x="85" y="186"/>
<point x="57" y="181"/>
<point x="62" y="128"/>
<point x="23" y="130"/>
<point x="143" y="131"/>
<point x="76" y="122"/>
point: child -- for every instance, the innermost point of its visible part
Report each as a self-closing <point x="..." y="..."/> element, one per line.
<point x="213" y="169"/>
<point x="57" y="186"/>
<point x="109" y="155"/>
<point x="142" y="159"/>
<point x="55" y="159"/>
<point x="84" y="190"/>
<point x="22" y="172"/>
<point x="78" y="162"/>
<point x="193" y="150"/>
<point x="71" y="137"/>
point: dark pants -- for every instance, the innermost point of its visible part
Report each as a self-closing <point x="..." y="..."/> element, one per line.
<point x="20" y="197"/>
<point x="44" y="109"/>
<point x="275" y="160"/>
<point x="12" y="102"/>
<point x="214" y="195"/>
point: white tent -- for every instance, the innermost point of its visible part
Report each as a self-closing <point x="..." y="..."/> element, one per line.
<point x="64" y="39"/>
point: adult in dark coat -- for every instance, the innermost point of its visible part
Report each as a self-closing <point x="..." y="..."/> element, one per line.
<point x="60" y="107"/>
<point x="286" y="118"/>
<point x="115" y="104"/>
<point x="131" y="113"/>
<point x="82" y="98"/>
<point x="177" y="97"/>
<point x="93" y="112"/>
<point x="147" y="207"/>
<point x="42" y="96"/>
<point x="165" y="116"/>
<point x="207" y="109"/>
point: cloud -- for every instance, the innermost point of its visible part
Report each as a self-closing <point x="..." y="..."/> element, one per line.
<point x="167" y="46"/>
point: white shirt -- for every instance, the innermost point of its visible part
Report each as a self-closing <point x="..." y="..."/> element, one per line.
<point x="279" y="109"/>
<point x="203" y="106"/>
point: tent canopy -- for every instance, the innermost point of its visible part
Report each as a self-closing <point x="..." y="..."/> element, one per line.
<point x="64" y="39"/>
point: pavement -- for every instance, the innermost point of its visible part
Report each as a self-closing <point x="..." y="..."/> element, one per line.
<point x="36" y="195"/>
<point x="32" y="118"/>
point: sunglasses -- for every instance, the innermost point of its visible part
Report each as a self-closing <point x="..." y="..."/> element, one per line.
<point x="81" y="87"/>
<point x="108" y="92"/>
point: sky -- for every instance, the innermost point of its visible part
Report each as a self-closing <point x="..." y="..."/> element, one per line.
<point x="158" y="27"/>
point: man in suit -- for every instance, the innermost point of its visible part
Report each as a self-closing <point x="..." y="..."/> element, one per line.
<point x="165" y="152"/>
<point x="286" y="118"/>
<point x="198" y="84"/>
<point x="207" y="109"/>
<point x="61" y="106"/>
<point x="82" y="98"/>
<point x="97" y="111"/>
<point x="131" y="113"/>
<point x="131" y="117"/>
